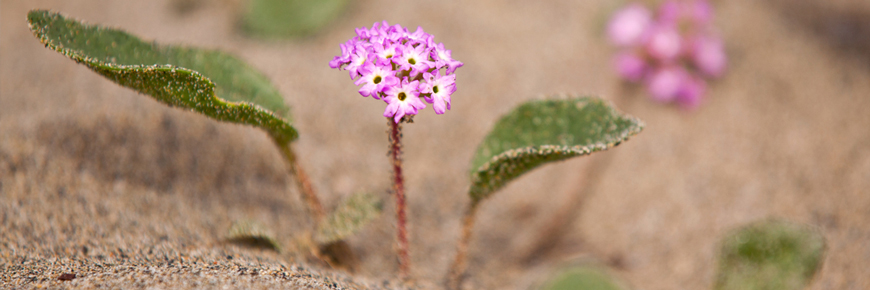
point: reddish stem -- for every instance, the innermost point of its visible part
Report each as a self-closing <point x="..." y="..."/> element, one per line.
<point x="457" y="269"/>
<point x="399" y="189"/>
<point x="303" y="181"/>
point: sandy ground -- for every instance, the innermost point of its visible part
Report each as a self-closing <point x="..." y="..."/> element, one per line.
<point x="125" y="192"/>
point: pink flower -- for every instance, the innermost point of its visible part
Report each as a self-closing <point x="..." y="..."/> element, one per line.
<point x="363" y="33"/>
<point x="379" y="31"/>
<point x="701" y="12"/>
<point x="402" y="100"/>
<point x="670" y="11"/>
<point x="442" y="57"/>
<point x="630" y="66"/>
<point x="691" y="92"/>
<point x="665" y="83"/>
<point x="386" y="52"/>
<point x="419" y="36"/>
<point x="672" y="53"/>
<point x="629" y="24"/>
<point x="664" y="42"/>
<point x="708" y="55"/>
<point x="375" y="79"/>
<point x="346" y="49"/>
<point x="390" y="61"/>
<point x="357" y="59"/>
<point x="415" y="60"/>
<point x="698" y="11"/>
<point x="438" y="90"/>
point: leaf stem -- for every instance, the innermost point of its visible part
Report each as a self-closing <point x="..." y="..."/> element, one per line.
<point x="302" y="180"/>
<point x="457" y="269"/>
<point x="336" y="254"/>
<point x="399" y="190"/>
<point x="552" y="233"/>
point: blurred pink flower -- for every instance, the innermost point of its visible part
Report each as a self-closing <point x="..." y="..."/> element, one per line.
<point x="701" y="12"/>
<point x="698" y="11"/>
<point x="691" y="92"/>
<point x="629" y="24"/>
<point x="669" y="12"/>
<point x="664" y="83"/>
<point x="630" y="66"/>
<point x="670" y="53"/>
<point x="708" y="55"/>
<point x="664" y="42"/>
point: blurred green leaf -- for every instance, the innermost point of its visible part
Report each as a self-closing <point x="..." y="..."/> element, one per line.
<point x="583" y="277"/>
<point x="209" y="82"/>
<point x="770" y="255"/>
<point x="290" y="18"/>
<point x="252" y="234"/>
<point x="349" y="217"/>
<point x="543" y="131"/>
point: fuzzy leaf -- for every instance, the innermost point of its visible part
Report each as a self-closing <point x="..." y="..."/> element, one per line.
<point x="290" y="18"/>
<point x="770" y="255"/>
<point x="543" y="131"/>
<point x="583" y="277"/>
<point x="209" y="82"/>
<point x="349" y="217"/>
<point x="252" y="234"/>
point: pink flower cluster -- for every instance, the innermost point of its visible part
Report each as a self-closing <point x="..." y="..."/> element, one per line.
<point x="393" y="64"/>
<point x="670" y="54"/>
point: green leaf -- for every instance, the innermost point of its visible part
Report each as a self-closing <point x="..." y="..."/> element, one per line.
<point x="209" y="82"/>
<point x="770" y="255"/>
<point x="349" y="217"/>
<point x="252" y="234"/>
<point x="583" y="277"/>
<point x="543" y="131"/>
<point x="290" y="18"/>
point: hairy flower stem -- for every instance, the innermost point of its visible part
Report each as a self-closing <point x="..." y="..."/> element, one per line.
<point x="399" y="190"/>
<point x="457" y="269"/>
<point x="302" y="180"/>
